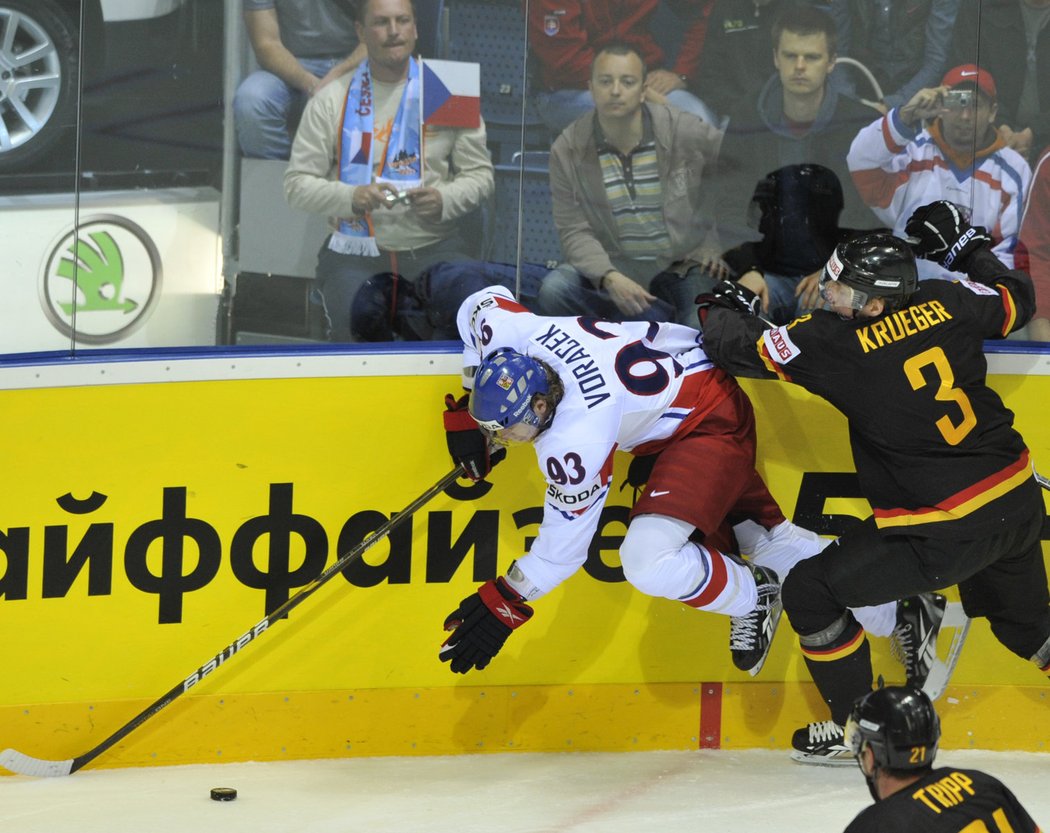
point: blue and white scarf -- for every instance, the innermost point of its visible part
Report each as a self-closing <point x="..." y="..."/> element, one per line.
<point x="402" y="166"/>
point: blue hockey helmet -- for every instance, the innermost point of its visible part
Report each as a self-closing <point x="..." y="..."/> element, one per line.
<point x="504" y="385"/>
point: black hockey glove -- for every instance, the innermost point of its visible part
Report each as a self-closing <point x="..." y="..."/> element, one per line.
<point x="468" y="446"/>
<point x="481" y="624"/>
<point x="939" y="232"/>
<point x="728" y="295"/>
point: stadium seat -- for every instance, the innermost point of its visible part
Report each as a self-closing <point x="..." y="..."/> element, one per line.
<point x="540" y="243"/>
<point x="492" y="34"/>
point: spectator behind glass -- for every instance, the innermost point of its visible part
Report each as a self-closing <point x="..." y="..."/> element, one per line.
<point x="300" y="45"/>
<point x="961" y="157"/>
<point x="625" y="185"/>
<point x="796" y="210"/>
<point x="1011" y="39"/>
<point x="796" y="118"/>
<point x="903" y="43"/>
<point x="735" y="57"/>
<point x="358" y="158"/>
<point x="1033" y="248"/>
<point x="565" y="36"/>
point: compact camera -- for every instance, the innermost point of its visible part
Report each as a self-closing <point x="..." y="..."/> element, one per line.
<point x="393" y="199"/>
<point x="958" y="99"/>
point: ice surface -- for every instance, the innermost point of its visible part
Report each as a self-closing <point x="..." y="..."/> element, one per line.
<point x="753" y="790"/>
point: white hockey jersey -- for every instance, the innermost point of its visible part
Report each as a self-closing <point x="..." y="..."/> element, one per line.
<point x="897" y="170"/>
<point x="628" y="386"/>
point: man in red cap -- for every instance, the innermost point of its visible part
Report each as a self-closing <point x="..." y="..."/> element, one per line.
<point x="943" y="145"/>
<point x="1012" y="38"/>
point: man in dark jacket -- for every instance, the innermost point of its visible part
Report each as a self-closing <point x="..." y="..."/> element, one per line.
<point x="904" y="44"/>
<point x="735" y="58"/>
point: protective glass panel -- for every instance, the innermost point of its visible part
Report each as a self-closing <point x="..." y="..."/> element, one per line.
<point x="153" y="195"/>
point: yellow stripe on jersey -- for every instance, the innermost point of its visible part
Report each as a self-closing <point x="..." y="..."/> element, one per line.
<point x="1009" y="310"/>
<point x="962" y="503"/>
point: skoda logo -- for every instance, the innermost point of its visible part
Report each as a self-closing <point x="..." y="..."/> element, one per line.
<point x="101" y="281"/>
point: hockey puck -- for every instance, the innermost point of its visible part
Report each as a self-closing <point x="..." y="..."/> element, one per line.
<point x="223" y="794"/>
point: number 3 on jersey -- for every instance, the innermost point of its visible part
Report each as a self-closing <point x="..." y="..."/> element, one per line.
<point x="946" y="392"/>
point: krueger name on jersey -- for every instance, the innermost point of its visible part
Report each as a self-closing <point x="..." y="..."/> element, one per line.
<point x="899" y="325"/>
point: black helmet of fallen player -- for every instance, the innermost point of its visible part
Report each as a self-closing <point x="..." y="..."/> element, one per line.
<point x="900" y="727"/>
<point x="875" y="265"/>
<point x="796" y="209"/>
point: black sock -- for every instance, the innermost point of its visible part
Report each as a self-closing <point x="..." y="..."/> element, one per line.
<point x="842" y="681"/>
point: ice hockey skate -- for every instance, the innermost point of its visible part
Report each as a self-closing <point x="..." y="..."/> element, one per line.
<point x="822" y="743"/>
<point x="751" y="636"/>
<point x="920" y="620"/>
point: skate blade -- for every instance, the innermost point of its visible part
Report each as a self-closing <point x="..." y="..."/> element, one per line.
<point x="821" y="760"/>
<point x="943" y="667"/>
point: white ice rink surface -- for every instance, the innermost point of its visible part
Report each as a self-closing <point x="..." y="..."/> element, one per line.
<point x="657" y="792"/>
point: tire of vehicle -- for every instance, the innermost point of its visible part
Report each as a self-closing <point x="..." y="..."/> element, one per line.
<point x="38" y="79"/>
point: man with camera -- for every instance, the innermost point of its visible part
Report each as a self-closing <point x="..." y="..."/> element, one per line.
<point x="898" y="164"/>
<point x="396" y="195"/>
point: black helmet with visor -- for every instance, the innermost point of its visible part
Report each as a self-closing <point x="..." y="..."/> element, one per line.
<point x="873" y="265"/>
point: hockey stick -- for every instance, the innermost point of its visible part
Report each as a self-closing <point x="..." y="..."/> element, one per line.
<point x="941" y="670"/>
<point x="27" y="765"/>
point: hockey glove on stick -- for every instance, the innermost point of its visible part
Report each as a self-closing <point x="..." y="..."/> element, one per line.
<point x="481" y="624"/>
<point x="728" y="295"/>
<point x="468" y="446"/>
<point x="939" y="232"/>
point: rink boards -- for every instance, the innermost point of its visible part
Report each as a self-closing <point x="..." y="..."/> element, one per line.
<point x="153" y="510"/>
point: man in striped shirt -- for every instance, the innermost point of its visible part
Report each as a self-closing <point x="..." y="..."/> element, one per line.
<point x="625" y="184"/>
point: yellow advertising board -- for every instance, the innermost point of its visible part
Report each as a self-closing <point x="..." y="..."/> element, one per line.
<point x="153" y="512"/>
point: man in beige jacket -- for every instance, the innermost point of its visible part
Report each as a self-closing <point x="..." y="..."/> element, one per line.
<point x="625" y="186"/>
<point x="395" y="199"/>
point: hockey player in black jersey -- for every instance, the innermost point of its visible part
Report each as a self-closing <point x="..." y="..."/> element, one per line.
<point x="893" y="732"/>
<point x="948" y="478"/>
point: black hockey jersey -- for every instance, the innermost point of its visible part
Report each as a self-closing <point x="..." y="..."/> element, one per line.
<point x="947" y="801"/>
<point x="934" y="447"/>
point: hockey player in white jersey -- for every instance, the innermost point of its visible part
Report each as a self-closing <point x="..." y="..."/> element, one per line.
<point x="580" y="389"/>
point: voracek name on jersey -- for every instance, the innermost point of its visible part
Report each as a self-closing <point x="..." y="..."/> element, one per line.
<point x="581" y="364"/>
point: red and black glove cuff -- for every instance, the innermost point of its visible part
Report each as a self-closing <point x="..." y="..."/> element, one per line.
<point x="505" y="603"/>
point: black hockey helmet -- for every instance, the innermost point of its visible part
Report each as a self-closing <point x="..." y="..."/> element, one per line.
<point x="898" y="724"/>
<point x="875" y="265"/>
<point x="797" y="196"/>
<point x="796" y="209"/>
